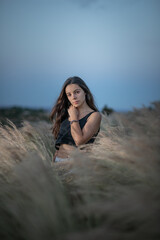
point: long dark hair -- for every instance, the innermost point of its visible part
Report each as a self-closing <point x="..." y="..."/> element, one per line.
<point x="59" y="111"/>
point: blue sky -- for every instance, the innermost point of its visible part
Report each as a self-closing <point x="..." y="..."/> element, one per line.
<point x="113" y="45"/>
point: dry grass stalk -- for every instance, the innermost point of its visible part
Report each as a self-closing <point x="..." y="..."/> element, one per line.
<point x="109" y="190"/>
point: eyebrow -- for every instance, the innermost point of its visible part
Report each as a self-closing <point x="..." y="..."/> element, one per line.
<point x="74" y="90"/>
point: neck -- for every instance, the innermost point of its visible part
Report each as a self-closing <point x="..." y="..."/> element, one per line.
<point x="83" y="108"/>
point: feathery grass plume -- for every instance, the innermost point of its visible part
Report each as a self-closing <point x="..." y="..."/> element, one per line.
<point x="40" y="136"/>
<point x="12" y="148"/>
<point x="109" y="190"/>
<point x="34" y="203"/>
<point x="16" y="143"/>
<point x="121" y="169"/>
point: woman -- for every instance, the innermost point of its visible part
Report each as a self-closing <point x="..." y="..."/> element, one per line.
<point x="77" y="120"/>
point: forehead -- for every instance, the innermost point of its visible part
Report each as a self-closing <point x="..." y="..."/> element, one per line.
<point x="72" y="88"/>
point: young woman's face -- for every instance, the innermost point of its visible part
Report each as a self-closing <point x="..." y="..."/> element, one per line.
<point x="75" y="95"/>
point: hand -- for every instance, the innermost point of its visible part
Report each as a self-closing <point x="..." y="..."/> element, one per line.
<point x="73" y="113"/>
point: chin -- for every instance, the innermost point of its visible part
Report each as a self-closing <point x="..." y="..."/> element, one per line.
<point x="76" y="105"/>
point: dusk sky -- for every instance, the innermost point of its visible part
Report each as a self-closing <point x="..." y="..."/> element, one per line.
<point x="113" y="45"/>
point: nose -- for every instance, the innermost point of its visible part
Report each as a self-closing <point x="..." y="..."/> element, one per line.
<point x="74" y="96"/>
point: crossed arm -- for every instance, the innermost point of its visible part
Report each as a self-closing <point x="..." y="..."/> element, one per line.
<point x="81" y="136"/>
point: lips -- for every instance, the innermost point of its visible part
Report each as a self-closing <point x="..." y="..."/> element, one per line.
<point x="76" y="102"/>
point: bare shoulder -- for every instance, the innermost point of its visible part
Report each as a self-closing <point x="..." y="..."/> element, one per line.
<point x="92" y="125"/>
<point x="95" y="116"/>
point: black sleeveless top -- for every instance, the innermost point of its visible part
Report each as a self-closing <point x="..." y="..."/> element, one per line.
<point x="65" y="136"/>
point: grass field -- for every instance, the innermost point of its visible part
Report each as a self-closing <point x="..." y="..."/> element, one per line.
<point x="110" y="192"/>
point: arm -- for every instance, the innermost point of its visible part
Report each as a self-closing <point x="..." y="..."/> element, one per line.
<point x="90" y="128"/>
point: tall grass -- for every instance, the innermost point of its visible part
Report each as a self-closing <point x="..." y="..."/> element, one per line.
<point x="110" y="191"/>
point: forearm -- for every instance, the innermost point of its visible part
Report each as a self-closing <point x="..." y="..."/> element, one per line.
<point x="76" y="133"/>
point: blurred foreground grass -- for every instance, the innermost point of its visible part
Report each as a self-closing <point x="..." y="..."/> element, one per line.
<point x="110" y="192"/>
